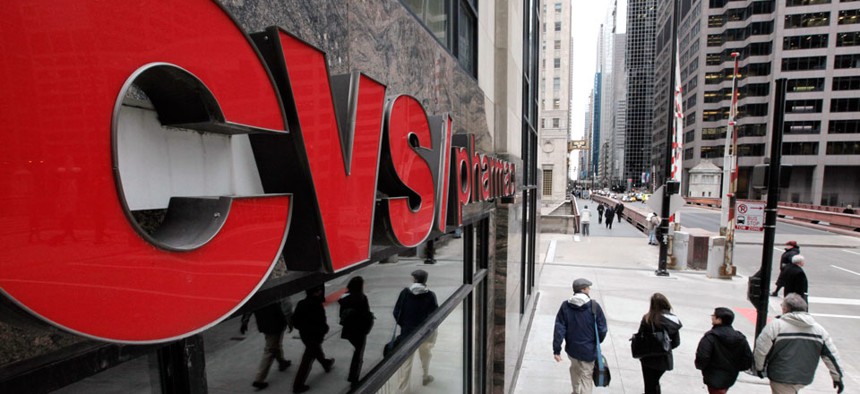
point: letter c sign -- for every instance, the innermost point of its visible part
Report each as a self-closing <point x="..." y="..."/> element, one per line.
<point x="69" y="252"/>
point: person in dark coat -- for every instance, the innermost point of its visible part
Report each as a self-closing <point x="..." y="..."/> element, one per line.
<point x="575" y="326"/>
<point x="309" y="318"/>
<point x="357" y="320"/>
<point x="610" y="214"/>
<point x="618" y="209"/>
<point x="272" y="321"/>
<point x="600" y="209"/>
<point x="659" y="318"/>
<point x="414" y="305"/>
<point x="791" y="250"/>
<point x="793" y="279"/>
<point x="722" y="353"/>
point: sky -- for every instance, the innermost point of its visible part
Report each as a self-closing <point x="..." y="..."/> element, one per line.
<point x="587" y="17"/>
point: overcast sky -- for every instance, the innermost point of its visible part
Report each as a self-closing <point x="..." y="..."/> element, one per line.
<point x="587" y="17"/>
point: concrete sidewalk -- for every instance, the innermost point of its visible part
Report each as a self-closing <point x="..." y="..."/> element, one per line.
<point x="621" y="265"/>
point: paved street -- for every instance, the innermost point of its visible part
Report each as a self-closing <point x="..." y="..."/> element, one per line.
<point x="621" y="265"/>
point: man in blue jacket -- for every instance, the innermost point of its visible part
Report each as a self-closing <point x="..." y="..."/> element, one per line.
<point x="574" y="324"/>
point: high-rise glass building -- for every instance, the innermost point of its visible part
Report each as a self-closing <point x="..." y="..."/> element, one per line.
<point x="641" y="28"/>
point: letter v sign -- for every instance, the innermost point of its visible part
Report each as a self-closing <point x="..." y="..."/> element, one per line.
<point x="335" y="141"/>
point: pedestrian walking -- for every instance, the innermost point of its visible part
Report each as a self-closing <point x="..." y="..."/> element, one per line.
<point x="619" y="208"/>
<point x="414" y="305"/>
<point x="600" y="209"/>
<point x="659" y="319"/>
<point x="653" y="222"/>
<point x="585" y="220"/>
<point x="722" y="353"/>
<point x="793" y="278"/>
<point x="791" y="250"/>
<point x="357" y="321"/>
<point x="272" y="320"/>
<point x="610" y="214"/>
<point x="789" y="347"/>
<point x="309" y="318"/>
<point x="574" y="325"/>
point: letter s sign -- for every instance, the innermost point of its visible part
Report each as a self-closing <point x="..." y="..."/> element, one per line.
<point x="69" y="252"/>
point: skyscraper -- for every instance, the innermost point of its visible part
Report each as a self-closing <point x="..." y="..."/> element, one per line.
<point x="641" y="27"/>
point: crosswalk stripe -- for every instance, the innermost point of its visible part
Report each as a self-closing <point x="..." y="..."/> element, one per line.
<point x="834" y="301"/>
<point x="846" y="270"/>
<point x="839" y="316"/>
<point x="848" y="251"/>
<point x="550" y="254"/>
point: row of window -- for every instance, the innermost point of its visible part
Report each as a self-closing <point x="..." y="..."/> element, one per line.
<point x="801" y="148"/>
<point x="740" y="34"/>
<point x="741" y="14"/>
<point x="848" y="126"/>
<point x="454" y="23"/>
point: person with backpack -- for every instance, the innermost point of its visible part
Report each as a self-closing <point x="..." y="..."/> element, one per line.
<point x="722" y="353"/>
<point x="357" y="321"/>
<point x="659" y="319"/>
<point x="653" y="222"/>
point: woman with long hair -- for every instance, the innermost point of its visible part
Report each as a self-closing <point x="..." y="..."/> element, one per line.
<point x="659" y="319"/>
<point x="357" y="320"/>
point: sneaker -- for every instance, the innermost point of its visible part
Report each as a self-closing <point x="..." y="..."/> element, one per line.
<point x="427" y="380"/>
<point x="329" y="364"/>
<point x="260" y="385"/>
<point x="283" y="365"/>
<point x="301" y="389"/>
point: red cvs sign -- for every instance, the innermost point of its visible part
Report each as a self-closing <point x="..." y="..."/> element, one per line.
<point x="73" y="254"/>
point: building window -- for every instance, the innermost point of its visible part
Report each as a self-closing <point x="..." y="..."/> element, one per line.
<point x="814" y="19"/>
<point x="711" y="152"/>
<point x="851" y="126"/>
<point x="847" y="61"/>
<point x="688" y="154"/>
<point x="802" y="127"/>
<point x="805" y="85"/>
<point x="843" y="148"/>
<point x="557" y="44"/>
<point x="556" y="63"/>
<point x="849" y="39"/>
<point x="750" y="150"/>
<point x="846" y="83"/>
<point x="805" y="42"/>
<point x="558" y="8"/>
<point x="804" y="63"/>
<point x="851" y="104"/>
<point x="556" y="103"/>
<point x="556" y="85"/>
<point x="752" y="130"/>
<point x="799" y="148"/>
<point x="461" y="40"/>
<point x="555" y="123"/>
<point x="795" y="3"/>
<point x="849" y="17"/>
<point x="802" y="106"/>
<point x="713" y="133"/>
<point x="558" y="26"/>
<point x="547" y="182"/>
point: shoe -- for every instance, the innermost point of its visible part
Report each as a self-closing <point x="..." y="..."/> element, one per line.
<point x="283" y="365"/>
<point x="774" y="294"/>
<point x="328" y="365"/>
<point x="260" y="385"/>
<point x="301" y="389"/>
<point x="427" y="380"/>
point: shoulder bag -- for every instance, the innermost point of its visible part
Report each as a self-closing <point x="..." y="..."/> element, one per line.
<point x="648" y="344"/>
<point x="601" y="375"/>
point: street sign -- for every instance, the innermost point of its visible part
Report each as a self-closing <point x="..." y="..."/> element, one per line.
<point x="749" y="215"/>
<point x="577" y="145"/>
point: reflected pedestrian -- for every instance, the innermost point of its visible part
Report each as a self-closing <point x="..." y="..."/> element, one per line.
<point x="722" y="353"/>
<point x="659" y="319"/>
<point x="357" y="321"/>
<point x="272" y="320"/>
<point x="309" y="318"/>
<point x="414" y="305"/>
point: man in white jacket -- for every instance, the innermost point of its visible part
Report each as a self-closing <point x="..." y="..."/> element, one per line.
<point x="790" y="346"/>
<point x="585" y="220"/>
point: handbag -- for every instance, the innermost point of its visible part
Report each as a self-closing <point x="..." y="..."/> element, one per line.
<point x="601" y="375"/>
<point x="654" y="343"/>
<point x="389" y="347"/>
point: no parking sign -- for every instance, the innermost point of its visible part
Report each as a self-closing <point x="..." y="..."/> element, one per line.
<point x="749" y="215"/>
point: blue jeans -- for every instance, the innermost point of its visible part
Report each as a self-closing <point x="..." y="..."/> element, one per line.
<point x="652" y="237"/>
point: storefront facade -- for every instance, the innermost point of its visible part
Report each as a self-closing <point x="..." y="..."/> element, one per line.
<point x="170" y="168"/>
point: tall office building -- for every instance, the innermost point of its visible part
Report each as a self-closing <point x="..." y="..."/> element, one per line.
<point x="815" y="45"/>
<point x="610" y="87"/>
<point x="556" y="62"/>
<point x="641" y="28"/>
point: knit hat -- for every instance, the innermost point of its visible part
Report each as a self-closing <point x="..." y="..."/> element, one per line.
<point x="580" y="284"/>
<point x="792" y="243"/>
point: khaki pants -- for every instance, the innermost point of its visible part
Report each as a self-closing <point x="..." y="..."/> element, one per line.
<point x="424" y="354"/>
<point x="273" y="351"/>
<point x="581" y="376"/>
<point x="785" y="388"/>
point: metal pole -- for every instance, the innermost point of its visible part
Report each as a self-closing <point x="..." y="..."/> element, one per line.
<point x="663" y="234"/>
<point x="731" y="172"/>
<point x="771" y="207"/>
